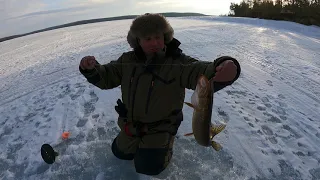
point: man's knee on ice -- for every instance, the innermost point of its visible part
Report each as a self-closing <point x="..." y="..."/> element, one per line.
<point x="119" y="154"/>
<point x="124" y="147"/>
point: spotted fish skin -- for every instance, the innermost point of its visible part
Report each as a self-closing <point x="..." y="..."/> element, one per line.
<point x="202" y="103"/>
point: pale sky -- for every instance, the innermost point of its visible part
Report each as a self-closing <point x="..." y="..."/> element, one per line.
<point x="22" y="16"/>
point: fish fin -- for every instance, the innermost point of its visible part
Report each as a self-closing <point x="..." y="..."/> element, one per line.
<point x="189" y="104"/>
<point x="216" y="146"/>
<point x="189" y="134"/>
<point x="216" y="129"/>
<point x="192" y="106"/>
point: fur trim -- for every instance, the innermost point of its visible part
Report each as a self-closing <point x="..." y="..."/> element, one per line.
<point x="147" y="24"/>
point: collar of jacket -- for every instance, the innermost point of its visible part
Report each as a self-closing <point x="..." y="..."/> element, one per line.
<point x="172" y="49"/>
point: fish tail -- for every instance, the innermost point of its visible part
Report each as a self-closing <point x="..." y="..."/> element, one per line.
<point x="216" y="146"/>
<point x="216" y="129"/>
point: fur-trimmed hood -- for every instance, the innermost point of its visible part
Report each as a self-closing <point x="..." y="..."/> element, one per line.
<point x="147" y="24"/>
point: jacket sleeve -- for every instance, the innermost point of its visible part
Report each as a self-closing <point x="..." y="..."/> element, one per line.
<point x="192" y="69"/>
<point x="105" y="76"/>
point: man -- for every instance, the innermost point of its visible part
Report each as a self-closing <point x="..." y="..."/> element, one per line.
<point x="153" y="78"/>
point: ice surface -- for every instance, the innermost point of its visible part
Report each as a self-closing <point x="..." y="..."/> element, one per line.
<point x="272" y="111"/>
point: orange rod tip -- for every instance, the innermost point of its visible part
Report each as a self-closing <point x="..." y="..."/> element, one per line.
<point x="65" y="135"/>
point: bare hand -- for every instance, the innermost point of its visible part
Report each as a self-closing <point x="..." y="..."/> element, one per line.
<point x="88" y="62"/>
<point x="225" y="72"/>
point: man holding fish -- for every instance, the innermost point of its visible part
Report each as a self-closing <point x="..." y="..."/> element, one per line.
<point x="153" y="77"/>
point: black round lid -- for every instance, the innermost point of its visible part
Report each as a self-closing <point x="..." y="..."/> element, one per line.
<point x="48" y="154"/>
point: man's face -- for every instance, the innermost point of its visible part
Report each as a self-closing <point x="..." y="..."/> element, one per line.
<point x="152" y="43"/>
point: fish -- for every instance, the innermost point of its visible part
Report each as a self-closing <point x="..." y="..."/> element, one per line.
<point x="202" y="103"/>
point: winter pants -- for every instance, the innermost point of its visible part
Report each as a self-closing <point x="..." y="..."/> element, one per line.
<point x="151" y="153"/>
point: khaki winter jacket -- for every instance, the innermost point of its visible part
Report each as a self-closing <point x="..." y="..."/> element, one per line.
<point x="155" y="91"/>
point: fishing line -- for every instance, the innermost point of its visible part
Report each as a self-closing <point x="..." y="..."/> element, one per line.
<point x="153" y="64"/>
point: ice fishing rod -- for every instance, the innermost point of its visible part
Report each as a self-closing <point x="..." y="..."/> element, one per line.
<point x="48" y="154"/>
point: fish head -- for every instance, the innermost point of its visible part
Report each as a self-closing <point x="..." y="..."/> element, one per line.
<point x="203" y="88"/>
<point x="202" y="95"/>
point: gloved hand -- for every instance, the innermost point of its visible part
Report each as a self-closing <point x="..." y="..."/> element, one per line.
<point x="88" y="63"/>
<point x="225" y="72"/>
<point x="121" y="109"/>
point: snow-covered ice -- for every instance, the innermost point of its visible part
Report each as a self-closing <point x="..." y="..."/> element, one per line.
<point x="272" y="111"/>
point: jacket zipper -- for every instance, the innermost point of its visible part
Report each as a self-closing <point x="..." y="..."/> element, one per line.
<point x="134" y="94"/>
<point x="149" y="93"/>
<point x="135" y="90"/>
<point x="130" y="83"/>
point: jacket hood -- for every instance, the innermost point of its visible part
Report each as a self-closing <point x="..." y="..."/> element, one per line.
<point x="147" y="24"/>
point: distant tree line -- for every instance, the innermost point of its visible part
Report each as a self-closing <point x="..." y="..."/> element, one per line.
<point x="301" y="11"/>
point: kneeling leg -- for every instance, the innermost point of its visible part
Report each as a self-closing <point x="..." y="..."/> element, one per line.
<point x="154" y="153"/>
